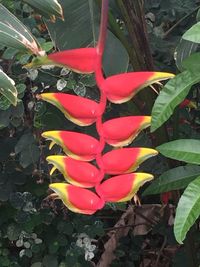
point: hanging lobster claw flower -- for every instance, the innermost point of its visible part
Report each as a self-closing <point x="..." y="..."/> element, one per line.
<point x="125" y="160"/>
<point x="77" y="199"/>
<point x="123" y="187"/>
<point x="76" y="172"/>
<point x="81" y="60"/>
<point x="79" y="110"/>
<point x="122" y="131"/>
<point x="76" y="145"/>
<point x="122" y="87"/>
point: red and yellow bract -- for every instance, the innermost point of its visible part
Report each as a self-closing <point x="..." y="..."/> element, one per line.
<point x="123" y="187"/>
<point x="125" y="160"/>
<point x="78" y="199"/>
<point x="81" y="60"/>
<point x="79" y="110"/>
<point x="76" y="145"/>
<point x="76" y="172"/>
<point x="131" y="125"/>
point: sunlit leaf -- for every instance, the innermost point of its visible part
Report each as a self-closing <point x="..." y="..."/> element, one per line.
<point x="7" y="88"/>
<point x="173" y="179"/>
<point x="188" y="210"/>
<point x="187" y="150"/>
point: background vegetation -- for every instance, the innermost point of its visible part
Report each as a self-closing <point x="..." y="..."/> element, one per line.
<point x="34" y="230"/>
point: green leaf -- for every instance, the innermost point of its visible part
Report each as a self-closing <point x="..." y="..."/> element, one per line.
<point x="187" y="150"/>
<point x="173" y="179"/>
<point x="184" y="50"/>
<point x="48" y="8"/>
<point x="7" y="88"/>
<point x="172" y="94"/>
<point x="14" y="34"/>
<point x="192" y="63"/>
<point x="80" y="29"/>
<point x="13" y="232"/>
<point x="188" y="210"/>
<point x="193" y="34"/>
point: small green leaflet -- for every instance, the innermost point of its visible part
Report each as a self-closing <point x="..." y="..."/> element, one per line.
<point x="7" y="88"/>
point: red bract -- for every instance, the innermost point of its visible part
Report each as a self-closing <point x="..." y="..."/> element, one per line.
<point x="80" y="110"/>
<point x="122" y="131"/>
<point x="81" y="60"/>
<point x="123" y="187"/>
<point x="76" y="172"/>
<point x="126" y="160"/>
<point x="75" y="145"/>
<point x="122" y="87"/>
<point x="77" y="199"/>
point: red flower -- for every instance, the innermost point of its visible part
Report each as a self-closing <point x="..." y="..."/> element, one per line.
<point x="122" y="87"/>
<point x="80" y="110"/>
<point x="123" y="187"/>
<point x="77" y="199"/>
<point x="126" y="160"/>
<point x="122" y="131"/>
<point x="81" y="60"/>
<point x="75" y="145"/>
<point x="76" y="172"/>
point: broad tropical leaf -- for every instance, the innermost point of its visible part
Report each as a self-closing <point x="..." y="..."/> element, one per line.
<point x="14" y="34"/>
<point x="76" y="145"/>
<point x="80" y="29"/>
<point x="126" y="160"/>
<point x="187" y="150"/>
<point x="188" y="210"/>
<point x="122" y="87"/>
<point x="176" y="178"/>
<point x="123" y="187"/>
<point x="49" y="8"/>
<point x="172" y="94"/>
<point x="193" y="34"/>
<point x="76" y="172"/>
<point x="77" y="199"/>
<point x="7" y="88"/>
<point x="183" y="51"/>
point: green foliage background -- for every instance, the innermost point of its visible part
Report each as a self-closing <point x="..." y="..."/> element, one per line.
<point x="34" y="231"/>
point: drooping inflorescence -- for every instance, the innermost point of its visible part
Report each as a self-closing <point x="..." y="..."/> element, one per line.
<point x="80" y="149"/>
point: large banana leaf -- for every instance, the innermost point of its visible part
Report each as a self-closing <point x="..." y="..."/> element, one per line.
<point x="187" y="150"/>
<point x="172" y="94"/>
<point x="80" y="29"/>
<point x="49" y="8"/>
<point x="188" y="210"/>
<point x="176" y="178"/>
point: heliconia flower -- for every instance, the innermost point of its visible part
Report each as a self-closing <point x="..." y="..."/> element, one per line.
<point x="77" y="199"/>
<point x="81" y="60"/>
<point x="122" y="87"/>
<point x="123" y="187"/>
<point x="122" y="131"/>
<point x="188" y="103"/>
<point x="79" y="110"/>
<point x="76" y="172"/>
<point x="76" y="145"/>
<point x="126" y="160"/>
